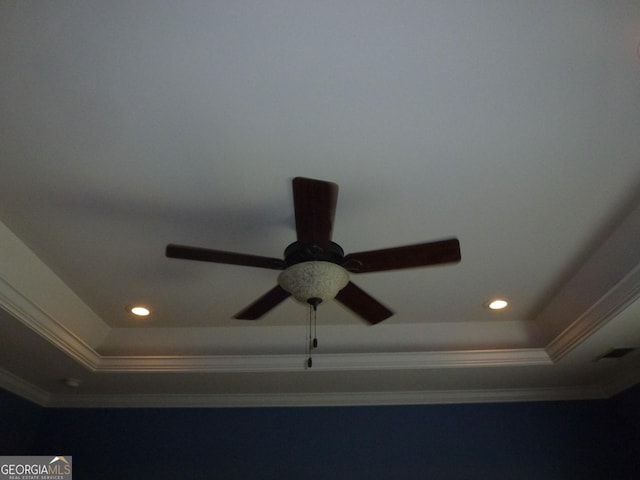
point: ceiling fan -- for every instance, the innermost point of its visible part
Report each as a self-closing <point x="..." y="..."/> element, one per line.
<point x="314" y="268"/>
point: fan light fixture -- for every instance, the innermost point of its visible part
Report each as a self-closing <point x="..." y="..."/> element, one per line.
<point x="314" y="281"/>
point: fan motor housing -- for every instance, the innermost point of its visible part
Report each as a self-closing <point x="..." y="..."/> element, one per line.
<point x="299" y="252"/>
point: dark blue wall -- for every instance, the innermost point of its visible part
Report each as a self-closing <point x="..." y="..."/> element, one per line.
<point x="550" y="440"/>
<point x="19" y="423"/>
<point x="570" y="440"/>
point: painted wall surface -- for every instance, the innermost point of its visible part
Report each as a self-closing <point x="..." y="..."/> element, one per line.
<point x="19" y="423"/>
<point x="554" y="440"/>
<point x="627" y="407"/>
<point x="572" y="440"/>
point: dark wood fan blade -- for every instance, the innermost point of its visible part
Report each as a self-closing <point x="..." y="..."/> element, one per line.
<point x="420" y="255"/>
<point x="363" y="304"/>
<point x="314" y="202"/>
<point x="262" y="305"/>
<point x="219" y="256"/>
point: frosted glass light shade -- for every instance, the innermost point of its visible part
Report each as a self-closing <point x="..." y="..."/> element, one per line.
<point x="307" y="280"/>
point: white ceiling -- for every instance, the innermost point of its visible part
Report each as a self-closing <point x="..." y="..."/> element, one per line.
<point x="130" y="125"/>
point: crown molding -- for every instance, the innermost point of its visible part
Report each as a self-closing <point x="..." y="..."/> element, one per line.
<point x="30" y="287"/>
<point x="607" y="307"/>
<point x="325" y="399"/>
<point x="342" y="361"/>
<point x="46" y="326"/>
<point x="606" y="283"/>
<point x="24" y="389"/>
<point x="19" y="387"/>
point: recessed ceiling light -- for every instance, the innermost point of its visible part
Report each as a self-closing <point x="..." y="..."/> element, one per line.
<point x="497" y="304"/>
<point x="139" y="310"/>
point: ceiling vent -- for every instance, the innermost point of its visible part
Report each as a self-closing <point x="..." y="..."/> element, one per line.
<point x="617" y="352"/>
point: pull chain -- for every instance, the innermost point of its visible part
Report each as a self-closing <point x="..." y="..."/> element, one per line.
<point x="314" y="344"/>
<point x="309" y="341"/>
<point x="313" y="325"/>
